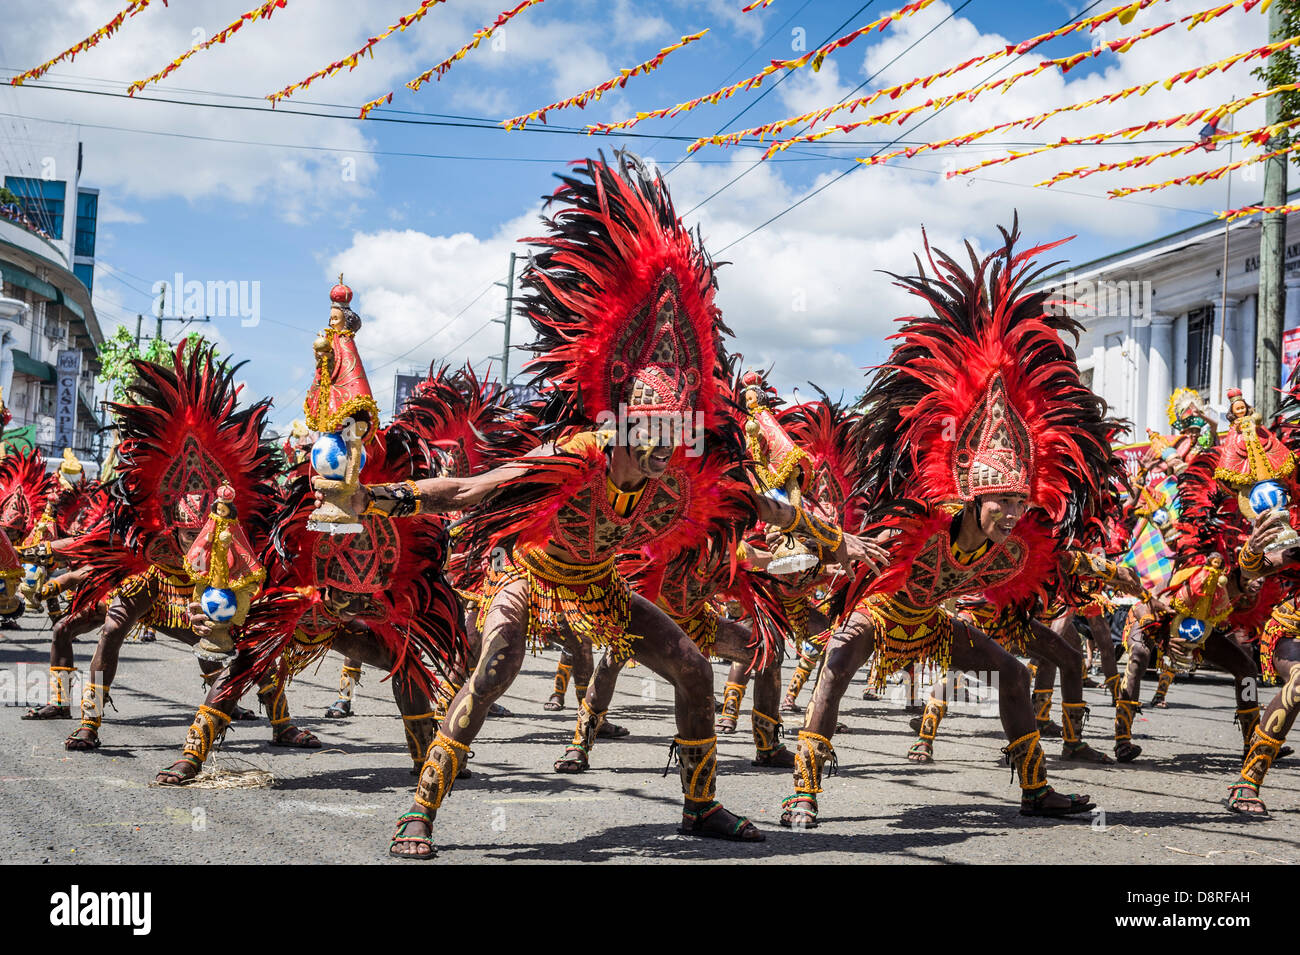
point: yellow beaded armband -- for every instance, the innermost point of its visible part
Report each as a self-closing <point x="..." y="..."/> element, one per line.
<point x="1249" y="561"/>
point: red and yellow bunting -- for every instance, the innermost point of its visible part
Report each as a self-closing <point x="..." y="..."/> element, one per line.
<point x="1257" y="136"/>
<point x="1232" y="214"/>
<point x="595" y="93"/>
<point x="260" y="13"/>
<point x="441" y="69"/>
<point x="756" y="5"/>
<point x="1032" y="122"/>
<point x="1200" y="178"/>
<point x="103" y="33"/>
<point x="367" y="49"/>
<point x="1128" y="132"/>
<point x="1123" y="13"/>
<point x="815" y="58"/>
<point x="1065" y="63"/>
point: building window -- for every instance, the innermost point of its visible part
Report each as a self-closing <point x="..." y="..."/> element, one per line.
<point x="42" y="201"/>
<point x="87" y="214"/>
<point x="1200" y="342"/>
<point x="86" y="272"/>
<point x="1085" y="378"/>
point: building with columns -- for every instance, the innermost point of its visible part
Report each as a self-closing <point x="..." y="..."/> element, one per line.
<point x="1156" y="317"/>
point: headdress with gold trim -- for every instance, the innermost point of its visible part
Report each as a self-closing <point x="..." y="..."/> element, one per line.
<point x="621" y="297"/>
<point x="983" y="396"/>
<point x="779" y="462"/>
<point x="1187" y="409"/>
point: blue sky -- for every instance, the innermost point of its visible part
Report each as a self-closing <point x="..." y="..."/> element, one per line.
<point x="288" y="201"/>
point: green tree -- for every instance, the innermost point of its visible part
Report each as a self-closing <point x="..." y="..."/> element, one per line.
<point x="118" y="351"/>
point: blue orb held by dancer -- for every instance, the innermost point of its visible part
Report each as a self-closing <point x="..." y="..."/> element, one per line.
<point x="219" y="604"/>
<point x="1268" y="496"/>
<point x="329" y="456"/>
<point x="1193" y="631"/>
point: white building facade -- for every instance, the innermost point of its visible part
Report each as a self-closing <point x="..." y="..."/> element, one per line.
<point x="47" y="245"/>
<point x="1156" y="318"/>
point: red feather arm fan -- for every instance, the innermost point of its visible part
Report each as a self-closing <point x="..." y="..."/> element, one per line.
<point x="395" y="566"/>
<point x="24" y="487"/>
<point x="986" y="329"/>
<point x="182" y="437"/>
<point x="472" y="422"/>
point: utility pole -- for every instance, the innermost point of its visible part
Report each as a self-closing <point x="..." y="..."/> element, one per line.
<point x="509" y="285"/>
<point x="1272" y="253"/>
<point x="160" y="318"/>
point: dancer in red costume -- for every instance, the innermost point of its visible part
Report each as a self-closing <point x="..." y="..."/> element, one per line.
<point x="986" y="455"/>
<point x="621" y="296"/>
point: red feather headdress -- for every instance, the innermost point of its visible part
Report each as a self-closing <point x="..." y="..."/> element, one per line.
<point x="24" y="487"/>
<point x="621" y="297"/>
<point x="984" y="396"/>
<point x="182" y="439"/>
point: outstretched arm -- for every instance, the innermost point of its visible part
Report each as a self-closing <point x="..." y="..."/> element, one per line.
<point x="834" y="546"/>
<point x="436" y="495"/>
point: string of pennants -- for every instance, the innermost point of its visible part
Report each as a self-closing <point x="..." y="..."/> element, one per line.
<point x="1065" y="63"/>
<point x="352" y="59"/>
<point x="103" y="33"/>
<point x="1232" y="214"/>
<point x="590" y="95"/>
<point x="221" y="36"/>
<point x="1123" y="14"/>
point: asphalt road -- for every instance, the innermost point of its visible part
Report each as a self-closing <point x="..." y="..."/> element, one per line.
<point x="338" y="804"/>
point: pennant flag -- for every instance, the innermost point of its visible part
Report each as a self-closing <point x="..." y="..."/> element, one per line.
<point x="260" y="13"/>
<point x="1032" y="122"/>
<point x="595" y="93"/>
<point x="757" y="4"/>
<point x="103" y="33"/>
<point x="352" y="59"/>
<point x="1232" y="214"/>
<point x="441" y="69"/>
